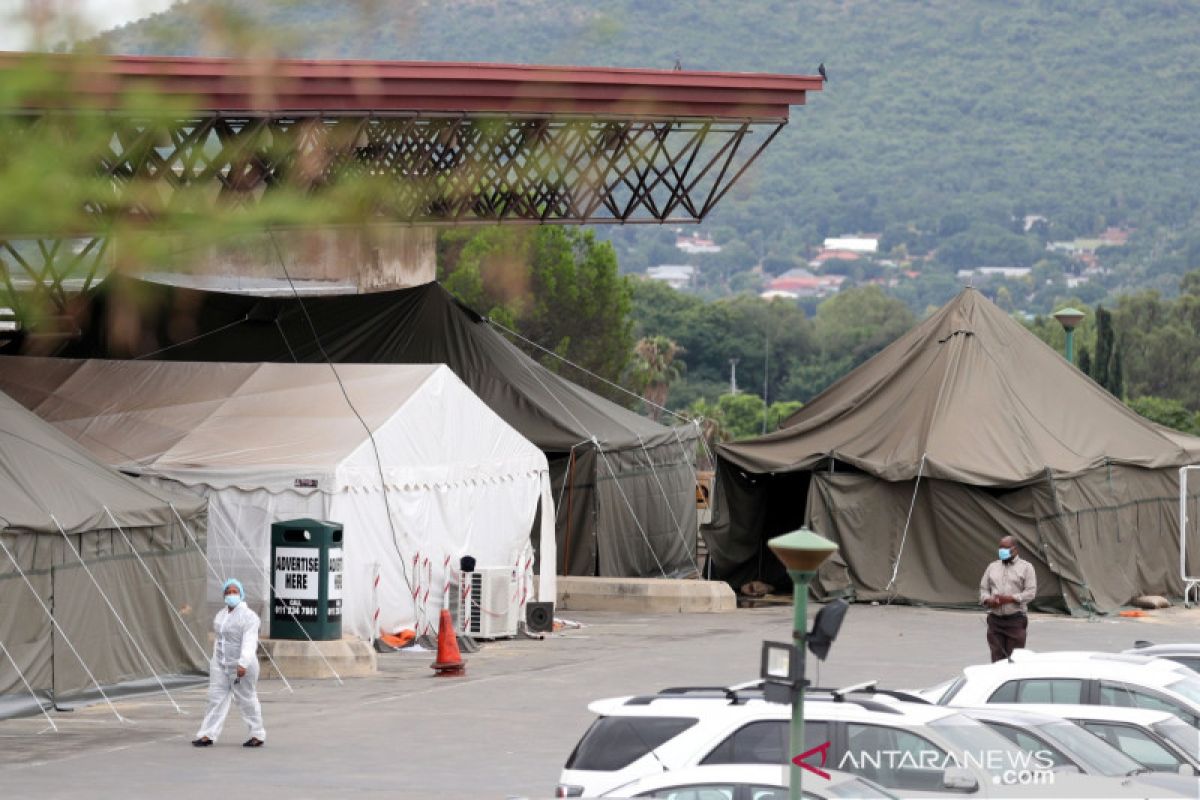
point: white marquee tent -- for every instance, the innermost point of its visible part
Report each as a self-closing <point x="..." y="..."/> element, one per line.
<point x="270" y="442"/>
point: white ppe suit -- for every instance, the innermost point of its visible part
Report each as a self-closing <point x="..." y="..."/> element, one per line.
<point x="236" y="645"/>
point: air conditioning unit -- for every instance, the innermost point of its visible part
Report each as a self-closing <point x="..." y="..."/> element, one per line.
<point x="487" y="603"/>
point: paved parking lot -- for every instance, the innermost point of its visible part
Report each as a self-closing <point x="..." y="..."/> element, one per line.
<point x="504" y="730"/>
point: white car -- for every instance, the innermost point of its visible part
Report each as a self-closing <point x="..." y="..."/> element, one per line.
<point x="1157" y="739"/>
<point x="1186" y="654"/>
<point x="912" y="749"/>
<point x="748" y="782"/>
<point x="1077" y="678"/>
<point x="1074" y="744"/>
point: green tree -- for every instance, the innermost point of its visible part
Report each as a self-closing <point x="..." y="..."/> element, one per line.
<point x="655" y="367"/>
<point x="1116" y="375"/>
<point x="858" y="323"/>
<point x="559" y="287"/>
<point x="1165" y="411"/>
<point x="1104" y="347"/>
<point x="779" y="413"/>
<point x="1085" y="360"/>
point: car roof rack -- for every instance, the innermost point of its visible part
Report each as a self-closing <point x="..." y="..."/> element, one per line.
<point x="863" y="703"/>
<point x="735" y="697"/>
<point x="839" y="695"/>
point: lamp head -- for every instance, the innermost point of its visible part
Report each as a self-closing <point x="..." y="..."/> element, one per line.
<point x="802" y="550"/>
<point x="1069" y="317"/>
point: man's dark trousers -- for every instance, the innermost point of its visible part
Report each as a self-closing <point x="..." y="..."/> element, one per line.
<point x="1005" y="634"/>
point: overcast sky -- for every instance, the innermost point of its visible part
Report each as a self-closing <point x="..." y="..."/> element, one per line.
<point x="95" y="16"/>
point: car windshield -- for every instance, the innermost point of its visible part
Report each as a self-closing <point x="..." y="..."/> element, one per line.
<point x="1181" y="734"/>
<point x="1094" y="754"/>
<point x="1189" y="687"/>
<point x="974" y="738"/>
<point x="937" y="692"/>
<point x="614" y="743"/>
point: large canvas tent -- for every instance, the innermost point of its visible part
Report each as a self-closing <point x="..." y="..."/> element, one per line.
<point x="963" y="430"/>
<point x="61" y="509"/>
<point x="624" y="485"/>
<point x="271" y="442"/>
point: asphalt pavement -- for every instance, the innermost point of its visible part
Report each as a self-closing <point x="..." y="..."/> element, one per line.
<point x="505" y="729"/>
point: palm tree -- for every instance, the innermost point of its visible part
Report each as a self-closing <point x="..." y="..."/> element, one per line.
<point x="654" y="370"/>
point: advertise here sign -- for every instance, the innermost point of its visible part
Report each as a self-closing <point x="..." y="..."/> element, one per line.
<point x="297" y="583"/>
<point x="335" y="584"/>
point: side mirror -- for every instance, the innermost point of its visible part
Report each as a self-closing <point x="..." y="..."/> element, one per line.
<point x="1188" y="770"/>
<point x="958" y="779"/>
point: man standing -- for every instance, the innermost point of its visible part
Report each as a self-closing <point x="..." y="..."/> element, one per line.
<point x="1006" y="589"/>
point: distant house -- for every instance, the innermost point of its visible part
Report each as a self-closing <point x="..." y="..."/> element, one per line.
<point x="833" y="255"/>
<point x="1114" y="237"/>
<point x="1031" y="220"/>
<point x="676" y="276"/>
<point x="1075" y="280"/>
<point x="1072" y="248"/>
<point x="984" y="273"/>
<point x="1005" y="272"/>
<point x="853" y="244"/>
<point x="696" y="243"/>
<point x="802" y="283"/>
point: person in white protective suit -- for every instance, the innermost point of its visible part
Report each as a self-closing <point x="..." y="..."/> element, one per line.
<point x="233" y="671"/>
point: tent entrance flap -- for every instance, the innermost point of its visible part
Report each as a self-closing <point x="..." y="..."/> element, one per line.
<point x="748" y="510"/>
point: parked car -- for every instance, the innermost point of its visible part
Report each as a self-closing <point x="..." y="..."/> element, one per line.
<point x="1072" y="746"/>
<point x="911" y="749"/>
<point x="1078" y="678"/>
<point x="1186" y="654"/>
<point x="1157" y="739"/>
<point x="748" y="782"/>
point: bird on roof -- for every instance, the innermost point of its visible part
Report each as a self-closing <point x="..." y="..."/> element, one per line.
<point x="678" y="63"/>
<point x="821" y="70"/>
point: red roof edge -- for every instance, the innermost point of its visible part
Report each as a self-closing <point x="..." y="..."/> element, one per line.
<point x="264" y="86"/>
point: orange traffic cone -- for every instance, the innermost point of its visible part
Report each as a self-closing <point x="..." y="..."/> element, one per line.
<point x="449" y="661"/>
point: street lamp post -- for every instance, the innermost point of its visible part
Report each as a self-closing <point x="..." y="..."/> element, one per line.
<point x="1069" y="318"/>
<point x="801" y="552"/>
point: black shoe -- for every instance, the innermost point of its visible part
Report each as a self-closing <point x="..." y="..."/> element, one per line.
<point x="253" y="741"/>
<point x="203" y="741"/>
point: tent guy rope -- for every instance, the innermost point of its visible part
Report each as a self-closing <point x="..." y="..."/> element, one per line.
<point x="116" y="615"/>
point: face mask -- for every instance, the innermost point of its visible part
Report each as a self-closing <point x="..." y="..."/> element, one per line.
<point x="1005" y="554"/>
<point x="232" y="600"/>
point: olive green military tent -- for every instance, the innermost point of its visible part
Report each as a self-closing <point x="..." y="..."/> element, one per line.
<point x="965" y="429"/>
<point x="61" y="510"/>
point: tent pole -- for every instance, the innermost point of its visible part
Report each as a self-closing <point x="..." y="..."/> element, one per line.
<point x="569" y="479"/>
<point x="113" y="609"/>
<point x="58" y="628"/>
<point x="271" y="593"/>
<point x="216" y="575"/>
<point x="157" y="585"/>
<point x="691" y="459"/>
<point x="32" y="694"/>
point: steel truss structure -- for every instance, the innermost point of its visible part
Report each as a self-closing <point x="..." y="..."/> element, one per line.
<point x="528" y="145"/>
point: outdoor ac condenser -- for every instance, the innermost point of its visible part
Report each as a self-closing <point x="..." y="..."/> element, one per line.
<point x="487" y="604"/>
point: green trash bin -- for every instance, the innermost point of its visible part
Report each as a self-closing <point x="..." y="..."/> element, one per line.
<point x="306" y="580"/>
